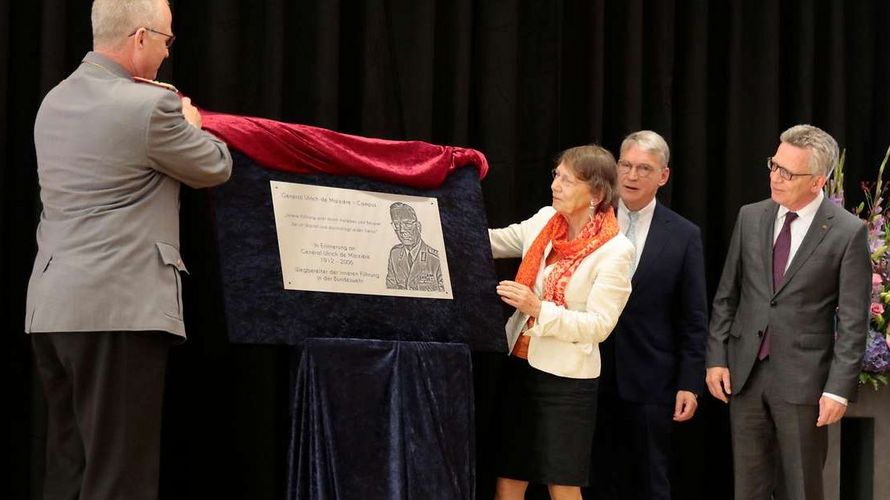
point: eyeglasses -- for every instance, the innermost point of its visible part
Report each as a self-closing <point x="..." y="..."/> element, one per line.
<point x="407" y="224"/>
<point x="643" y="169"/>
<point x="783" y="172"/>
<point x="168" y="42"/>
<point x="564" y="179"/>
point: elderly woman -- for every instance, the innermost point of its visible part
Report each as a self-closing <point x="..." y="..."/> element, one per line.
<point x="570" y="289"/>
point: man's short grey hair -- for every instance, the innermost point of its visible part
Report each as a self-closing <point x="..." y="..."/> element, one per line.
<point x="114" y="20"/>
<point x="403" y="208"/>
<point x="649" y="142"/>
<point x="822" y="146"/>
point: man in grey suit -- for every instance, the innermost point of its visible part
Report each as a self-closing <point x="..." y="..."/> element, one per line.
<point x="104" y="299"/>
<point x="790" y="316"/>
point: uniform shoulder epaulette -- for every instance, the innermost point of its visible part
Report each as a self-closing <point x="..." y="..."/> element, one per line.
<point x="156" y="83"/>
<point x="433" y="251"/>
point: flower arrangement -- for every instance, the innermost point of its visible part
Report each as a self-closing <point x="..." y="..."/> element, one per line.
<point x="876" y="363"/>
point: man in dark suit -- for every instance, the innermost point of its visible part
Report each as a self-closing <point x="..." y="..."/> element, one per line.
<point x="789" y="322"/>
<point x="413" y="265"/>
<point x="653" y="362"/>
<point x="104" y="298"/>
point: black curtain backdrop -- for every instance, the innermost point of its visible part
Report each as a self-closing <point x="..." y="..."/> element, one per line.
<point x="518" y="80"/>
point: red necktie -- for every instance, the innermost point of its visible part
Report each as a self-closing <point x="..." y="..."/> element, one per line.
<point x="781" y="251"/>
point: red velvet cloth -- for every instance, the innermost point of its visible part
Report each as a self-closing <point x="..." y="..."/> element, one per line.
<point x="303" y="149"/>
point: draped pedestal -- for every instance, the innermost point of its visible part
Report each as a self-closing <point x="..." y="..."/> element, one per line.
<point x="858" y="464"/>
<point x="382" y="402"/>
<point x="385" y="420"/>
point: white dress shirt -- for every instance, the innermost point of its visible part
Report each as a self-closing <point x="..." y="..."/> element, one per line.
<point x="799" y="227"/>
<point x="641" y="229"/>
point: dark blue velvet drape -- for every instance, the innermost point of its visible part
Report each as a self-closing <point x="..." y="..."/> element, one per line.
<point x="259" y="310"/>
<point x="385" y="420"/>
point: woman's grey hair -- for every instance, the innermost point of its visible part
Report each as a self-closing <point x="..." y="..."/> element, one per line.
<point x="822" y="147"/>
<point x="649" y="142"/>
<point x="114" y="20"/>
<point x="594" y="165"/>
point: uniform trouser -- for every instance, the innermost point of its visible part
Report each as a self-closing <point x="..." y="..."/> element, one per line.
<point x="104" y="392"/>
<point x="770" y="435"/>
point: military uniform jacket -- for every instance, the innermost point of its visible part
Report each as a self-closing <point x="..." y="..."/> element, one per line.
<point x="424" y="274"/>
<point x="111" y="154"/>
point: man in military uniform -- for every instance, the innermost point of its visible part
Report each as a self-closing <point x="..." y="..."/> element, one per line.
<point x="413" y="265"/>
<point x="104" y="300"/>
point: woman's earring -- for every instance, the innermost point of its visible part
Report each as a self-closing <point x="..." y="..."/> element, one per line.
<point x="593" y="206"/>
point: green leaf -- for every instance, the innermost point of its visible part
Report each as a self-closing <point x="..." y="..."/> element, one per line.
<point x="875" y="380"/>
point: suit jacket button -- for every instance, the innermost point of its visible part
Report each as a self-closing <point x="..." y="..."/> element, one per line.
<point x="760" y="333"/>
<point x="772" y="303"/>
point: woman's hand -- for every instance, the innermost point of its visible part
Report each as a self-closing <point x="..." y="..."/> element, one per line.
<point x="520" y="296"/>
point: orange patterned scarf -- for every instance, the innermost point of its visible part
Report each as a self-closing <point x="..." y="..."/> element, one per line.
<point x="600" y="229"/>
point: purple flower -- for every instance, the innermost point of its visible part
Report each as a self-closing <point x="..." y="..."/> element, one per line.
<point x="877" y="353"/>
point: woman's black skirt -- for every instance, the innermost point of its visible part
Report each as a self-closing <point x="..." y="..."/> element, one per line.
<point x="546" y="425"/>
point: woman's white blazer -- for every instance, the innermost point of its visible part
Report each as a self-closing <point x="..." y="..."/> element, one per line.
<point x="564" y="340"/>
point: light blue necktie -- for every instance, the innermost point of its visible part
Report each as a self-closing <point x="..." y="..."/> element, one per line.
<point x="631" y="234"/>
